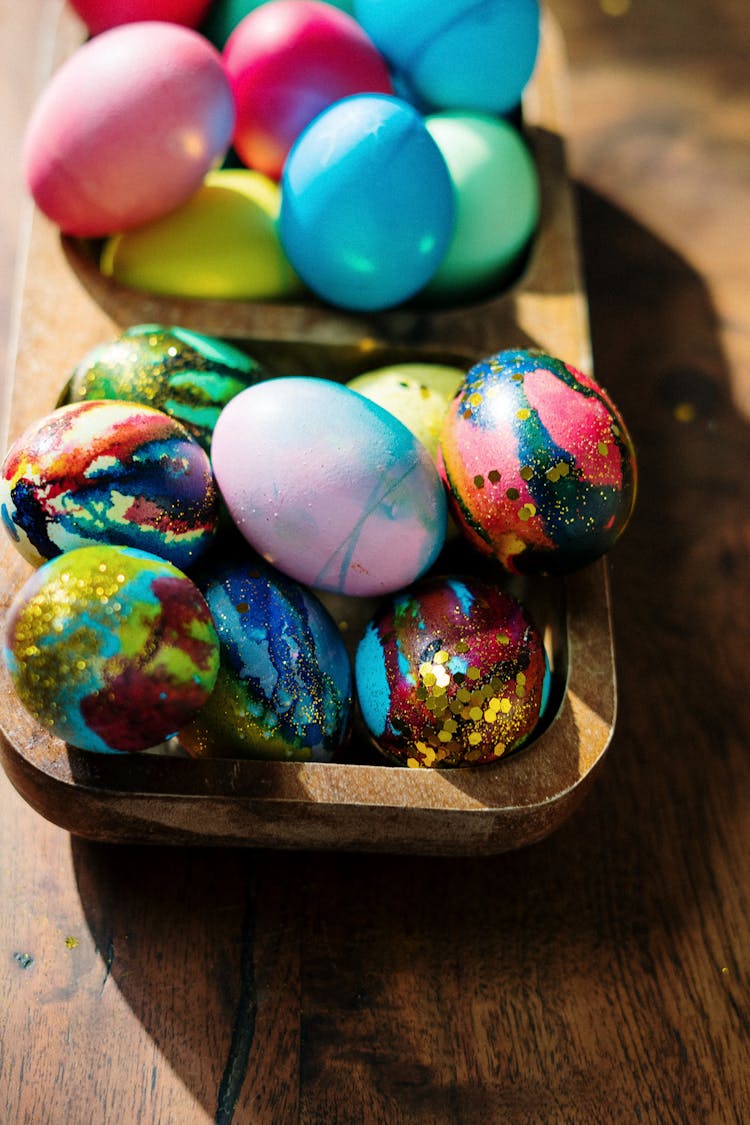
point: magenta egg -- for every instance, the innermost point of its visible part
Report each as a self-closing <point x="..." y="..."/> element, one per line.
<point x="287" y="61"/>
<point x="539" y="465"/>
<point x="127" y="128"/>
<point x="100" y="15"/>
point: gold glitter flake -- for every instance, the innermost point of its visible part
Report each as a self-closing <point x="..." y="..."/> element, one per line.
<point x="479" y="481"/>
<point x="523" y="414"/>
<point x="526" y="473"/>
<point x="493" y="476"/>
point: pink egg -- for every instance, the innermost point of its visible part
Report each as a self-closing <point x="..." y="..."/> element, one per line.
<point x="100" y="15"/>
<point x="287" y="61"/>
<point x="127" y="128"/>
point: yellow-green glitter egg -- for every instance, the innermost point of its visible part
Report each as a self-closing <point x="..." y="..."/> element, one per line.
<point x="111" y="649"/>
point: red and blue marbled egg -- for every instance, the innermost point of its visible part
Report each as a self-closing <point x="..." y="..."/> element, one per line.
<point x="108" y="472"/>
<point x="451" y="672"/>
<point x="538" y="462"/>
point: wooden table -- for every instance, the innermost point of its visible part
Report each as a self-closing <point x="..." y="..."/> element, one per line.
<point x="601" y="975"/>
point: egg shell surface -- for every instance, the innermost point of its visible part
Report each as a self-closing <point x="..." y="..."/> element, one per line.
<point x="112" y="473"/>
<point x="222" y="244"/>
<point x="451" y="672"/>
<point x="458" y="54"/>
<point x="418" y="394"/>
<point x="367" y="204"/>
<point x="127" y="128"/>
<point x="188" y="375"/>
<point x="284" y="689"/>
<point x="111" y="649"/>
<point x="329" y="487"/>
<point x="497" y="193"/>
<point x="287" y="61"/>
<point x="100" y="15"/>
<point x="539" y="465"/>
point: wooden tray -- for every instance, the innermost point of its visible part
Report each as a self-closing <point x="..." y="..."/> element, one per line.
<point x="65" y="307"/>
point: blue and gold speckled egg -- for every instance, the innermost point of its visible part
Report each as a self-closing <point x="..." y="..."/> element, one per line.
<point x="186" y="374"/>
<point x="108" y="472"/>
<point x="284" y="689"/>
<point x="111" y="649"/>
<point x="540" y="468"/>
<point x="451" y="672"/>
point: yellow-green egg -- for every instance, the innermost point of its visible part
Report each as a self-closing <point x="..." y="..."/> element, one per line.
<point x="418" y="394"/>
<point x="221" y="244"/>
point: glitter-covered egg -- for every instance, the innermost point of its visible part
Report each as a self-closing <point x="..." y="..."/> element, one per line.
<point x="111" y="473"/>
<point x="284" y="689"/>
<point x="539" y="465"/>
<point x="328" y="487"/>
<point x="186" y="374"/>
<point x="451" y="672"/>
<point x="111" y="649"/>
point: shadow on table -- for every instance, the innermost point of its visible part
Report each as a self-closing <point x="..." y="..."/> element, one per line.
<point x="410" y="989"/>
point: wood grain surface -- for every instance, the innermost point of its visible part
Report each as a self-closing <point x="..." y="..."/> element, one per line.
<point x="598" y="976"/>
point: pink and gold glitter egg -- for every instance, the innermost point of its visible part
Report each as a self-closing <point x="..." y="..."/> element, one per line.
<point x="538" y="462"/>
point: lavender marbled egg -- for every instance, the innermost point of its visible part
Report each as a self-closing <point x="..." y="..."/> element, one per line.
<point x="329" y="487"/>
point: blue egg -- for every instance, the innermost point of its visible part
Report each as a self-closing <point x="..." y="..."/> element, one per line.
<point x="284" y="688"/>
<point x="367" y="205"/>
<point x="458" y="54"/>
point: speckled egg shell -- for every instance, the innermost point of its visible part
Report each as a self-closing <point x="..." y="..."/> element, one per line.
<point x="284" y="689"/>
<point x="418" y="394"/>
<point x="451" y="673"/>
<point x="538" y="462"/>
<point x="188" y="375"/>
<point x="111" y="649"/>
<point x="108" y="472"/>
<point x="329" y="487"/>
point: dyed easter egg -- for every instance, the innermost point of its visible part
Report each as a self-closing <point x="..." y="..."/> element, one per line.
<point x="539" y="465"/>
<point x="127" y="128"/>
<point x="418" y="394"/>
<point x="329" y="487"/>
<point x="451" y="672"/>
<point x="111" y="648"/>
<point x="367" y="203"/>
<point x="111" y="473"/>
<point x="497" y="202"/>
<point x="224" y="15"/>
<point x="187" y="375"/>
<point x="100" y="15"/>
<point x="458" y="54"/>
<point x="287" y="61"/>
<point x="221" y="244"/>
<point x="284" y="689"/>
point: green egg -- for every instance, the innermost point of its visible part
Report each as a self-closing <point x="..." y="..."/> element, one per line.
<point x="418" y="394"/>
<point x="188" y="375"/>
<point x="497" y="203"/>
<point x="221" y="244"/>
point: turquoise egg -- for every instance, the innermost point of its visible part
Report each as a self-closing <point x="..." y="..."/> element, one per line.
<point x="284" y="689"/>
